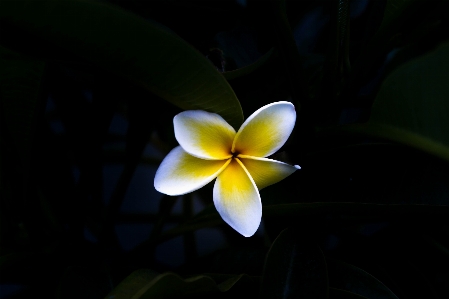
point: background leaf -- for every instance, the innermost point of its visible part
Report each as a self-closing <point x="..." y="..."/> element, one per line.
<point x="294" y="268"/>
<point x="129" y="46"/>
<point x="411" y="106"/>
<point x="353" y="279"/>
<point x="132" y="284"/>
<point x="146" y="284"/>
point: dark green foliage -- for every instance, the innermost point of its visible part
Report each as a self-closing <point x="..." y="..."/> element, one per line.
<point x="294" y="268"/>
<point x="365" y="217"/>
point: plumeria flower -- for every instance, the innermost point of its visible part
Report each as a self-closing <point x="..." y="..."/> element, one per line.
<point x="210" y="148"/>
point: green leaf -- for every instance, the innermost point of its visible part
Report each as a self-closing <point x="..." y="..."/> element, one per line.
<point x="130" y="46"/>
<point x="147" y="284"/>
<point x="20" y="87"/>
<point x="411" y="107"/>
<point x="132" y="284"/>
<point x="353" y="279"/>
<point x="294" y="268"/>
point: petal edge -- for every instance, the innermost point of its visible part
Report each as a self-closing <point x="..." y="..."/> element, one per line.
<point x="237" y="199"/>
<point x="266" y="130"/>
<point x="181" y="173"/>
<point x="203" y="134"/>
<point x="266" y="172"/>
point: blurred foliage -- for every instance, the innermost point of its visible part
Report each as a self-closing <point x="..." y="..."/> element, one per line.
<point x="365" y="217"/>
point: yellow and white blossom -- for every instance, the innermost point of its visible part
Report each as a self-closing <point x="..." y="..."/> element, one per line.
<point x="210" y="148"/>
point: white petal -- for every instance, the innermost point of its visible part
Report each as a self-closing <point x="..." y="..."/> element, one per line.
<point x="266" y="130"/>
<point x="237" y="199"/>
<point x="203" y="134"/>
<point x="181" y="173"/>
<point x="266" y="172"/>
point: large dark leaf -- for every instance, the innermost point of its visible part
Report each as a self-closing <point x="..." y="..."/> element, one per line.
<point x="130" y="46"/>
<point x="397" y="14"/>
<point x="412" y="107"/>
<point x="133" y="284"/>
<point x="353" y="279"/>
<point x="294" y="268"/>
<point x="147" y="284"/>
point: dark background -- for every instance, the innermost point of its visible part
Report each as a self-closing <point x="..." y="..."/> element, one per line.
<point x="81" y="140"/>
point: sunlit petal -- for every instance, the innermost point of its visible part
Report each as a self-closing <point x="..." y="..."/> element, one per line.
<point x="181" y="173"/>
<point x="266" y="172"/>
<point x="237" y="199"/>
<point x="266" y="130"/>
<point x="203" y="134"/>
